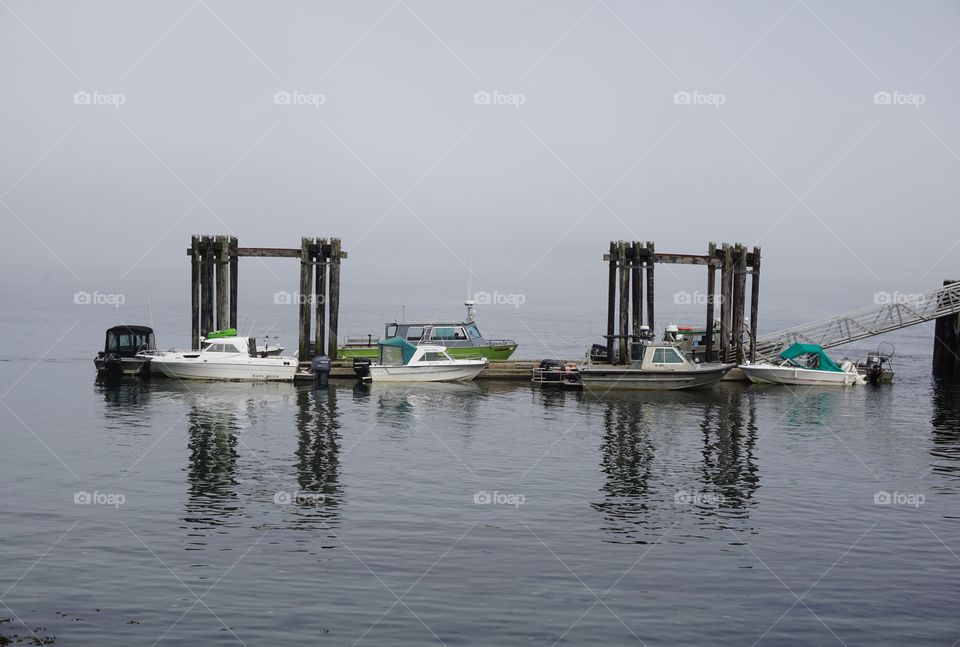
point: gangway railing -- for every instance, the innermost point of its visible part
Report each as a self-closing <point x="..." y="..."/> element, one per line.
<point x="901" y="312"/>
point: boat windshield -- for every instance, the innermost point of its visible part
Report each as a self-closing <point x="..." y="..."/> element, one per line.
<point x="667" y="356"/>
<point x="473" y="331"/>
<point x="220" y="348"/>
<point x="414" y="333"/>
<point x="434" y="357"/>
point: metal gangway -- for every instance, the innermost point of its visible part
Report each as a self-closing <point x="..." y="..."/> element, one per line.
<point x="900" y="312"/>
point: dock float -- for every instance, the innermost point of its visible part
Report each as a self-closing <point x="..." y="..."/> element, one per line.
<point x="500" y="369"/>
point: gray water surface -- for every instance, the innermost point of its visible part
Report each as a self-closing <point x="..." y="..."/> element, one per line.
<point x="478" y="514"/>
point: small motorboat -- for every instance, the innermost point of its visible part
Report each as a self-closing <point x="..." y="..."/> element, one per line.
<point x="653" y="366"/>
<point x="804" y="364"/>
<point x="224" y="358"/>
<point x="263" y="350"/>
<point x="877" y="368"/>
<point x="401" y="361"/>
<point x="124" y="351"/>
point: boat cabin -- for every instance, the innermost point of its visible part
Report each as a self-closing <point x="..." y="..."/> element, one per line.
<point x="440" y="333"/>
<point x="127" y="341"/>
<point x="659" y="357"/>
<point x="230" y="345"/>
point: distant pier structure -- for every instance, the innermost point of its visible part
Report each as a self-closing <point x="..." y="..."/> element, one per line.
<point x="631" y="270"/>
<point x="214" y="284"/>
<point x="946" y="340"/>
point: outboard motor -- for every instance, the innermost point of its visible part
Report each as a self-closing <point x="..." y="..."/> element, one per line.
<point x="874" y="370"/>
<point x="361" y="366"/>
<point x="112" y="365"/>
<point x="320" y="367"/>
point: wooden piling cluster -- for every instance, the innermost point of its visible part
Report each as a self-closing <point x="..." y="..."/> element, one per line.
<point x="319" y="296"/>
<point x="213" y="285"/>
<point x="213" y="281"/>
<point x="630" y="261"/>
<point x="946" y="346"/>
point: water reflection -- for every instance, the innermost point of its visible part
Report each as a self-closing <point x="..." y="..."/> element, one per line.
<point x="318" y="454"/>
<point x="400" y="404"/>
<point x="212" y="427"/>
<point x="127" y="403"/>
<point x="665" y="453"/>
<point x="729" y="447"/>
<point x="946" y="427"/>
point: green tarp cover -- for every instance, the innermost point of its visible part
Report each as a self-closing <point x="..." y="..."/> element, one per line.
<point x="823" y="361"/>
<point x="406" y="348"/>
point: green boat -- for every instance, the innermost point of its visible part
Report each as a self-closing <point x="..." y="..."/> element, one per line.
<point x="462" y="339"/>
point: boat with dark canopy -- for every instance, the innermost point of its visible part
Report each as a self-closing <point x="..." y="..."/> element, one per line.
<point x="121" y="348"/>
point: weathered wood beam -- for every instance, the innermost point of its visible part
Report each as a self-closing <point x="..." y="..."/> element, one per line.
<point x="754" y="302"/>
<point x="320" y="295"/>
<point x="276" y="252"/>
<point x="234" y="281"/>
<point x="624" y="344"/>
<point x="611" y="297"/>
<point x="306" y="278"/>
<point x="650" y="315"/>
<point x="333" y="295"/>
<point x="195" y="292"/>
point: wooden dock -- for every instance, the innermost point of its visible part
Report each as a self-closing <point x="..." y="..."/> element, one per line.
<point x="506" y="369"/>
<point x="509" y="370"/>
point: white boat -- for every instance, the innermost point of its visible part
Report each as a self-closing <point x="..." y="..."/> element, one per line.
<point x="652" y="367"/>
<point x="225" y="358"/>
<point x="401" y="361"/>
<point x="804" y="365"/>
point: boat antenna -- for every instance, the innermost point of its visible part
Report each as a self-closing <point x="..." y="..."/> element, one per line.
<point x="470" y="279"/>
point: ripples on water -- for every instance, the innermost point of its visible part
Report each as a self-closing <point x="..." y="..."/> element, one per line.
<point x="695" y="517"/>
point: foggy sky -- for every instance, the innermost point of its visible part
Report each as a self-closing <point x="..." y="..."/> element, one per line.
<point x="423" y="184"/>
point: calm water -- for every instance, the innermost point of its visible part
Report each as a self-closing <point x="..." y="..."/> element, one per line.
<point x="275" y="514"/>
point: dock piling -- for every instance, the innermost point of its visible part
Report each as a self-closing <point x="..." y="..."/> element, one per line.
<point x="624" y="329"/>
<point x="946" y="345"/>
<point x="334" y="296"/>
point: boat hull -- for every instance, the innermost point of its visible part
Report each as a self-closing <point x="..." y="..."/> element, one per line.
<point x="280" y="370"/>
<point x="130" y="366"/>
<point x="460" y="373"/>
<point x="497" y="351"/>
<point x="618" y="377"/>
<point x="793" y="376"/>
